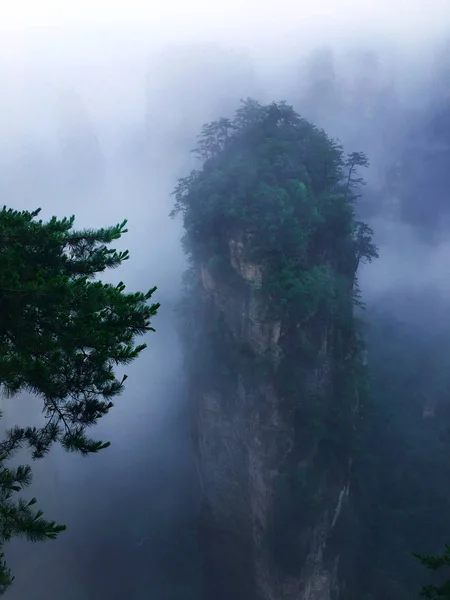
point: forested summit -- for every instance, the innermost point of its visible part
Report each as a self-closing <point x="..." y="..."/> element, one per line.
<point x="270" y="172"/>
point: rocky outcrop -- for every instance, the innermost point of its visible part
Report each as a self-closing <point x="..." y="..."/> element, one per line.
<point x="273" y="352"/>
<point x="273" y="492"/>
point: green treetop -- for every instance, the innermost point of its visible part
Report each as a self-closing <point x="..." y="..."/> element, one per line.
<point x="275" y="175"/>
<point x="61" y="335"/>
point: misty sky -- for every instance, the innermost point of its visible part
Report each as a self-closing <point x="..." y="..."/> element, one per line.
<point x="196" y="16"/>
<point x="58" y="31"/>
<point x="102" y="47"/>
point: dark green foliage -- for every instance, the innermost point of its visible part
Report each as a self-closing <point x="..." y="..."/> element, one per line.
<point x="434" y="563"/>
<point x="275" y="175"/>
<point x="61" y="336"/>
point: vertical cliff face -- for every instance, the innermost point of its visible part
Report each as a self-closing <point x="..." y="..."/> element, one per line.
<point x="272" y="351"/>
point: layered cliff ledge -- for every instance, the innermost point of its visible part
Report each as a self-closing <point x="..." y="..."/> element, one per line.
<point x="274" y="356"/>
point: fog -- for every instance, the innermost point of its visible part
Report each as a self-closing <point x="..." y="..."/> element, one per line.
<point x="100" y="106"/>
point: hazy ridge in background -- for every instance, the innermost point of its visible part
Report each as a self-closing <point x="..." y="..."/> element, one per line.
<point x="98" y="119"/>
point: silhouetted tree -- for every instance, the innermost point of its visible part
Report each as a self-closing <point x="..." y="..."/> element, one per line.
<point x="61" y="335"/>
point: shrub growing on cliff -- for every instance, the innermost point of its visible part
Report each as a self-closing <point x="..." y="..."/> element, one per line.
<point x="61" y="335"/>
